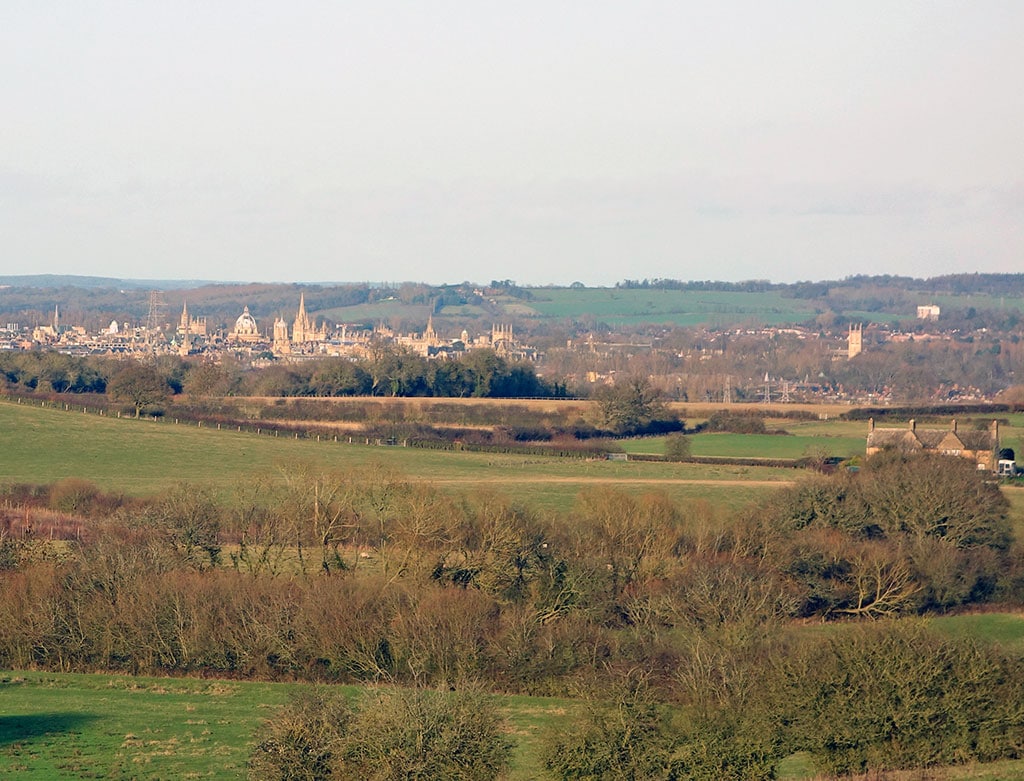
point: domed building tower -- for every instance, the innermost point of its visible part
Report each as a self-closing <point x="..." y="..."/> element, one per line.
<point x="246" y="329"/>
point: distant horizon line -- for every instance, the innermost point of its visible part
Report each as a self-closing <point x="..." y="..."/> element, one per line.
<point x="11" y="280"/>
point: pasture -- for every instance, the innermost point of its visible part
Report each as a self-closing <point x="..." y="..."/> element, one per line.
<point x="66" y="725"/>
<point x="146" y="456"/>
<point x="754" y="446"/>
<point x="677" y="307"/>
<point x="619" y="306"/>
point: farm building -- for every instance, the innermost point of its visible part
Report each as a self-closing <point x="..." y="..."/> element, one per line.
<point x="980" y="445"/>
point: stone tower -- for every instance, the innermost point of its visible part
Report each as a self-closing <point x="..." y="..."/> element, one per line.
<point x="854" y="343"/>
<point x="281" y="344"/>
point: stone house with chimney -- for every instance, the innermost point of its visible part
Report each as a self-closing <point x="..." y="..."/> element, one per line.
<point x="982" y="446"/>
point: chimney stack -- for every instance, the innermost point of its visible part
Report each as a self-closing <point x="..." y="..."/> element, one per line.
<point x="913" y="425"/>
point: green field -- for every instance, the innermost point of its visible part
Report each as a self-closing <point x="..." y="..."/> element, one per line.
<point x="617" y="306"/>
<point x="1007" y="629"/>
<point x="678" y="307"/>
<point x="141" y="457"/>
<point x="64" y="725"/>
<point x="754" y="445"/>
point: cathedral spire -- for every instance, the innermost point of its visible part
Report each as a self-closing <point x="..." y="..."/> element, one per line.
<point x="302" y="329"/>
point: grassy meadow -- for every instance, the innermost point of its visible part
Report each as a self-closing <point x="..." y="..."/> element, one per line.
<point x="679" y="307"/>
<point x="754" y="445"/>
<point x="142" y="457"/>
<point x="620" y="306"/>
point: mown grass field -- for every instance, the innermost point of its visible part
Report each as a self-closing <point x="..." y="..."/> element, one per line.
<point x="141" y="457"/>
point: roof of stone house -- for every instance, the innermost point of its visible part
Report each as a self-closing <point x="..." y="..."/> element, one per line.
<point x="892" y="437"/>
<point x="978" y="440"/>
<point x="929" y="439"/>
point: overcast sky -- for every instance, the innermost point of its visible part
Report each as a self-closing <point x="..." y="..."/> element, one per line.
<point x="545" y="142"/>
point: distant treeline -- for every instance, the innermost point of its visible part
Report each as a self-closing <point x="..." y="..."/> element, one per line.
<point x="749" y="286"/>
<point x="481" y="374"/>
<point x="951" y="284"/>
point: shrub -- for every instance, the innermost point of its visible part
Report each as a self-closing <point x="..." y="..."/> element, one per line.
<point x="73" y="495"/>
<point x="394" y="734"/>
<point x="895" y="695"/>
<point x="302" y="742"/>
<point x="677" y="447"/>
<point x="418" y="734"/>
<point x="627" y="738"/>
<point x="736" y="423"/>
<point x="723" y="746"/>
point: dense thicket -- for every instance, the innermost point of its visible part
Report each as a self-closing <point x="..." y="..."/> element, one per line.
<point x="506" y="594"/>
<point x="364" y="577"/>
<point x="905" y="534"/>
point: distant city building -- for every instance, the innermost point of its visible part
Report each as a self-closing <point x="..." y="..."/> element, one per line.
<point x="246" y="329"/>
<point x="928" y="312"/>
<point x="304" y="331"/>
<point x="282" y="345"/>
<point x="195" y="326"/>
<point x="855" y="340"/>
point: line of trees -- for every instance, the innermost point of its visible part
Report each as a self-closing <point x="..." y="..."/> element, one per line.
<point x="388" y="372"/>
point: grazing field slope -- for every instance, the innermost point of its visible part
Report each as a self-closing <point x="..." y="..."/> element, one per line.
<point x="144" y="456"/>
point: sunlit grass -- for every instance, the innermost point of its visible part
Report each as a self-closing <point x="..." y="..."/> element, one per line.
<point x="141" y="457"/>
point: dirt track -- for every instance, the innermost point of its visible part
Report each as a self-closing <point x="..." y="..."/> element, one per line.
<point x="615" y="480"/>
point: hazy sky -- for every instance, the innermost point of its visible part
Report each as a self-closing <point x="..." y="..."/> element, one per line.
<point x="545" y="142"/>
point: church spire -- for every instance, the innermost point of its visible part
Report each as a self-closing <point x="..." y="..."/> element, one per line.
<point x="302" y="329"/>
